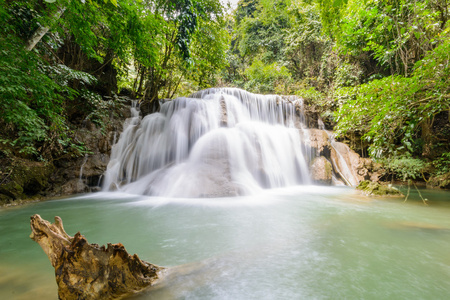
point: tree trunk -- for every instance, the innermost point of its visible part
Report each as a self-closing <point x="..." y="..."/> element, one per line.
<point x="87" y="271"/>
<point x="427" y="137"/>
<point x="41" y="31"/>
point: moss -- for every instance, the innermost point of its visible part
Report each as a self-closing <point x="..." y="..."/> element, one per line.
<point x="25" y="179"/>
<point x="4" y="199"/>
<point x="371" y="188"/>
<point x="12" y="189"/>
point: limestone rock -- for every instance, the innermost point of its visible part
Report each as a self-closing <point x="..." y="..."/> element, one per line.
<point x="348" y="164"/>
<point x="319" y="142"/>
<point x="321" y="171"/>
<point x="66" y="179"/>
<point x="74" y="186"/>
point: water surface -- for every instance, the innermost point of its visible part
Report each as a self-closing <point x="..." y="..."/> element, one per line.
<point x="297" y="243"/>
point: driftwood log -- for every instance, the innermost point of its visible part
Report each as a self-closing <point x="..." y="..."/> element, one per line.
<point x="87" y="271"/>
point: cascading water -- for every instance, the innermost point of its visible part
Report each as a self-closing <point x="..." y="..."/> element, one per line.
<point x="340" y="165"/>
<point x="218" y="142"/>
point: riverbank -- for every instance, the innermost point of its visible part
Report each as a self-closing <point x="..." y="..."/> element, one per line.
<point x="26" y="179"/>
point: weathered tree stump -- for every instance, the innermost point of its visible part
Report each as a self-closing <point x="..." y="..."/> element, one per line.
<point x="87" y="271"/>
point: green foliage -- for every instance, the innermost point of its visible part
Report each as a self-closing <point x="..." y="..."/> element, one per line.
<point x="396" y="34"/>
<point x="261" y="34"/>
<point x="347" y="75"/>
<point x="442" y="164"/>
<point x="30" y="104"/>
<point x="267" y="78"/>
<point x="396" y="110"/>
<point x="207" y="61"/>
<point x="331" y="14"/>
<point x="183" y="29"/>
<point x="288" y="33"/>
<point x="305" y="43"/>
<point x="311" y="94"/>
<point x="64" y="76"/>
<point x="406" y="167"/>
<point x="34" y="92"/>
<point x="23" y="18"/>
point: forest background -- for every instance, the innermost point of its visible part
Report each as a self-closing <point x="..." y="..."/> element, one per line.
<point x="376" y="71"/>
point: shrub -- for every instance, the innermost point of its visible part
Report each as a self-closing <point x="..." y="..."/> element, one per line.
<point x="267" y="78"/>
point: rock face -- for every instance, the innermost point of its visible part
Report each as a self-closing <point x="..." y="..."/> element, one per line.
<point x="84" y="174"/>
<point x="24" y="179"/>
<point x="87" y="271"/>
<point x="81" y="174"/>
<point x="346" y="164"/>
<point x="322" y="171"/>
<point x="319" y="142"/>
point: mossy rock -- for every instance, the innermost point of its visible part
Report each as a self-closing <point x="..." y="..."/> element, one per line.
<point x="4" y="199"/>
<point x="11" y="189"/>
<point x="371" y="188"/>
<point x="27" y="179"/>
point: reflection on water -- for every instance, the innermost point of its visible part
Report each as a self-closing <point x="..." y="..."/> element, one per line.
<point x="298" y="243"/>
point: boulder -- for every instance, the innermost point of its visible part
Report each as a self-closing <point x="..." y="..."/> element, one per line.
<point x="73" y="186"/>
<point x="321" y="171"/>
<point x="319" y="141"/>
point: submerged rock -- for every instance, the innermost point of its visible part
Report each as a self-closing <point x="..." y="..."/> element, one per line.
<point x="87" y="271"/>
<point x="377" y="189"/>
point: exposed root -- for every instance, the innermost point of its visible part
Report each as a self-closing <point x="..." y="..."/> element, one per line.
<point x="87" y="271"/>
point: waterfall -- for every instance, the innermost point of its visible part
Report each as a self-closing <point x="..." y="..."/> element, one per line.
<point x="217" y="142"/>
<point x="82" y="166"/>
<point x="320" y="124"/>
